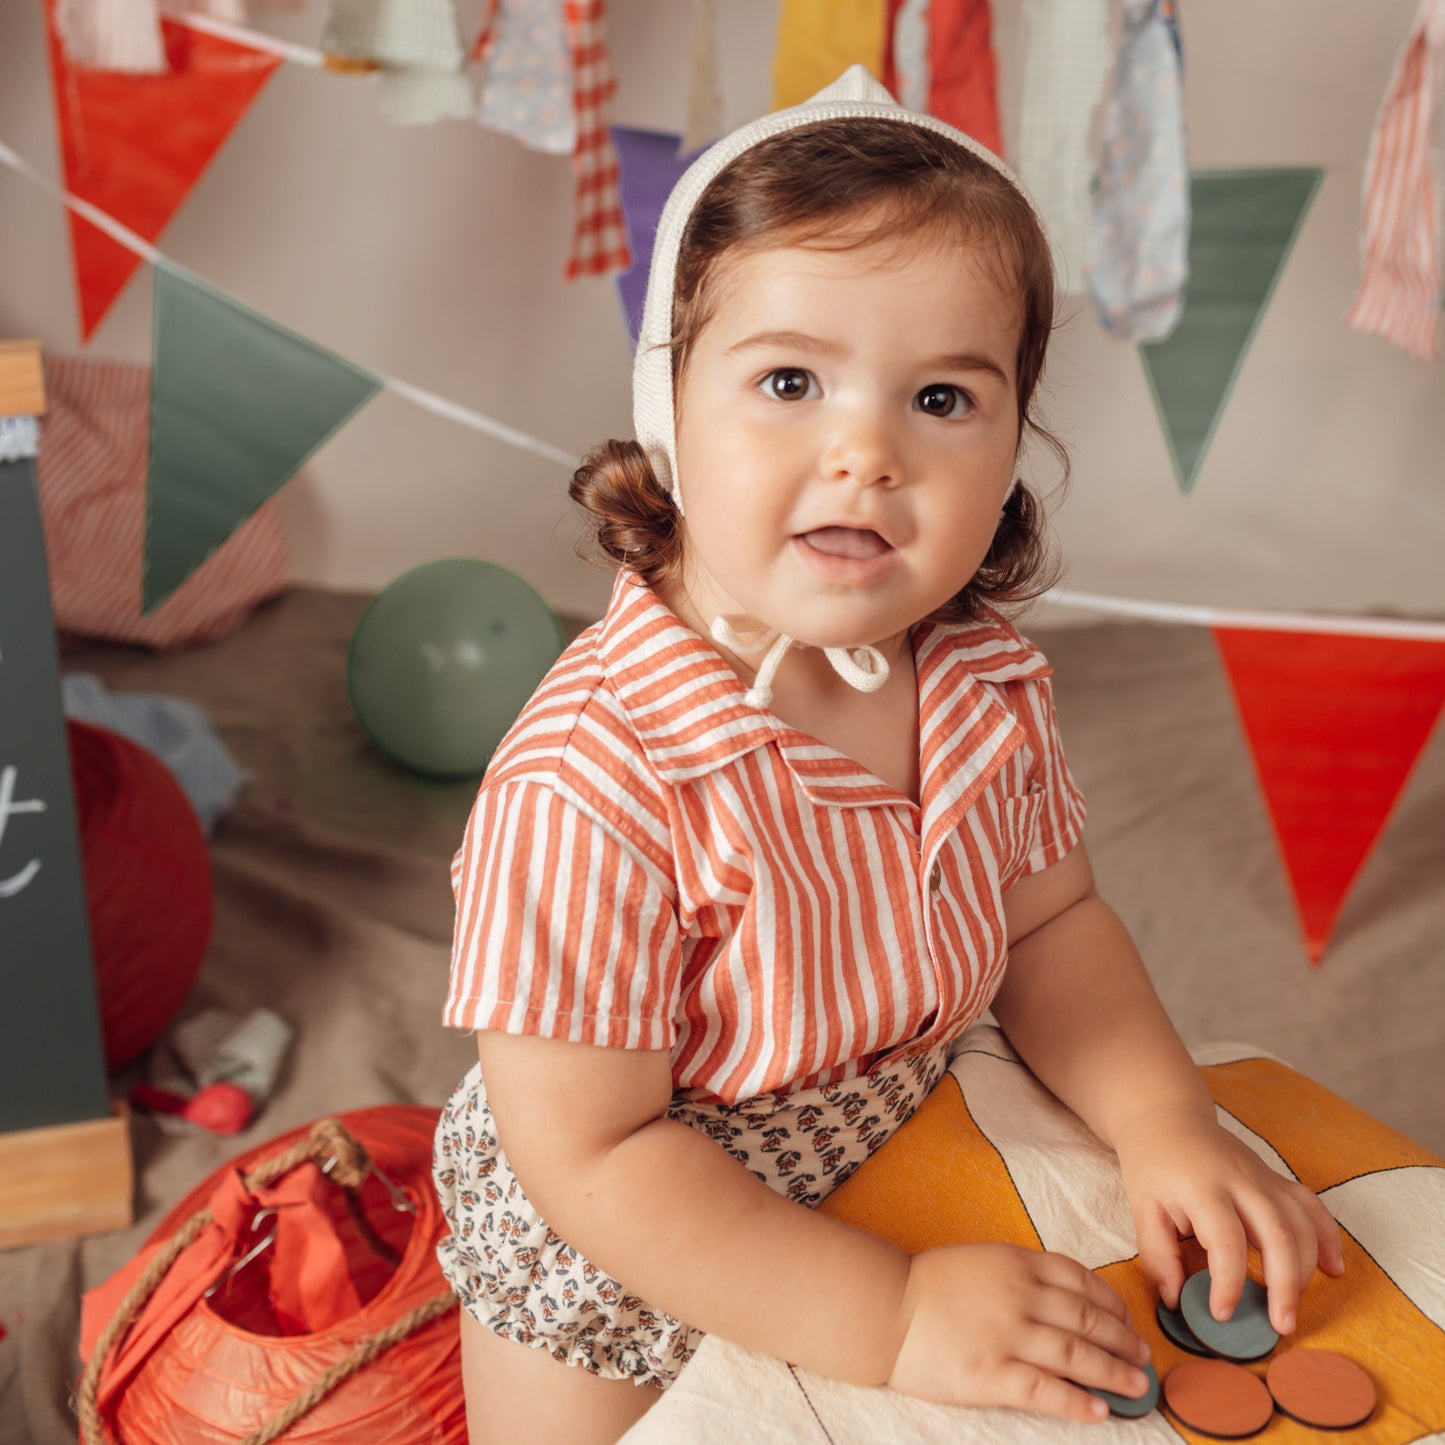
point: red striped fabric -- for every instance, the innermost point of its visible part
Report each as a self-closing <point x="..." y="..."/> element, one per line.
<point x="91" y="475"/>
<point x="1399" y="295"/>
<point x="653" y="863"/>
<point x="599" y="237"/>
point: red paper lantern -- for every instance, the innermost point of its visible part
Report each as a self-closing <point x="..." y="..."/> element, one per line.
<point x="343" y="1268"/>
<point x="147" y="886"/>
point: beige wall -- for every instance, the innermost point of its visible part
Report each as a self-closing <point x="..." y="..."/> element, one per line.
<point x="435" y="255"/>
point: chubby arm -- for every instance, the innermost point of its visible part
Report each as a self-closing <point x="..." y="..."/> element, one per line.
<point x="659" y="1206"/>
<point x="1077" y="1004"/>
<point x="684" y="1225"/>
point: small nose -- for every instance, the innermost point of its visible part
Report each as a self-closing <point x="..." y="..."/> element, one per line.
<point x="862" y="449"/>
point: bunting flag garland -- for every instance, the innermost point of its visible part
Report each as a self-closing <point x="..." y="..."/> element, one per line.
<point x="421" y="97"/>
<point x="417" y="34"/>
<point x="651" y="167"/>
<point x="417" y="46"/>
<point x="1243" y="227"/>
<point x="599" y="237"/>
<point x="819" y="39"/>
<point x="237" y="405"/>
<point x="486" y="32"/>
<point x="1399" y="295"/>
<point x="887" y="60"/>
<point x="119" y="35"/>
<point x="134" y="145"/>
<point x="704" y="100"/>
<point x="526" y="78"/>
<point x="231" y="12"/>
<point x="418" y="396"/>
<point x="1066" y="61"/>
<point x="963" y="71"/>
<point x="1335" y="724"/>
<point x="125" y="35"/>
<point x="906" y="70"/>
<point x="1138" y="249"/>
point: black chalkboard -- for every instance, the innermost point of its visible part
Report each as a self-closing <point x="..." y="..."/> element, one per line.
<point x="52" y="1069"/>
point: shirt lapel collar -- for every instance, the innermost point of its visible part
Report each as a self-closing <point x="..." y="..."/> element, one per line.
<point x="688" y="709"/>
<point x="966" y="732"/>
<point x="684" y="702"/>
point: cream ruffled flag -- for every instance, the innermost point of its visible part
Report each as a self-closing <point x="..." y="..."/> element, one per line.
<point x="120" y="35"/>
<point x="416" y="44"/>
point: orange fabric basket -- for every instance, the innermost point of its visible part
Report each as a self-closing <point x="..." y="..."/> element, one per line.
<point x="294" y="1295"/>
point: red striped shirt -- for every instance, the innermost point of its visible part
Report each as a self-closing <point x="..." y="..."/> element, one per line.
<point x="1399" y="295"/>
<point x="653" y="863"/>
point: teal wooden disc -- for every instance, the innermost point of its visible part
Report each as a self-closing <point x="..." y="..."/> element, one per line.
<point x="1173" y="1323"/>
<point x="1132" y="1406"/>
<point x="1246" y="1335"/>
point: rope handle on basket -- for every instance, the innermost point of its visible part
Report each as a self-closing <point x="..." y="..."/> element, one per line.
<point x="328" y="1140"/>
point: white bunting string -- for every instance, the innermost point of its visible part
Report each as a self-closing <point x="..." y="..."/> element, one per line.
<point x="429" y="401"/>
<point x="112" y="228"/>
<point x="1403" y="629"/>
<point x="240" y="35"/>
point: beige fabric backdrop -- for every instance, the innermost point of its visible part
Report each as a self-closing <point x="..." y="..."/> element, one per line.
<point x="435" y="255"/>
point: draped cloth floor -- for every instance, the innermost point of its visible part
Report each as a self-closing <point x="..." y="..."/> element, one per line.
<point x="333" y="908"/>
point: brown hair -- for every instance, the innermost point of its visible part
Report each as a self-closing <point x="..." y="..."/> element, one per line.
<point x="842" y="184"/>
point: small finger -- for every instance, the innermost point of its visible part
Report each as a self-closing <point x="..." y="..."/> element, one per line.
<point x="1222" y="1235"/>
<point x="1062" y="1352"/>
<point x="1076" y="1314"/>
<point x="1330" y="1251"/>
<point x="1306" y="1237"/>
<point x="1027" y="1387"/>
<point x="1279" y="1254"/>
<point x="1064" y="1273"/>
<point x="1159" y="1253"/>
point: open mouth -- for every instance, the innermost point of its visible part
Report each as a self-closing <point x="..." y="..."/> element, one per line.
<point x="860" y="543"/>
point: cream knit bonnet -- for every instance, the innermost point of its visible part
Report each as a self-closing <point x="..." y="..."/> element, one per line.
<point x="856" y="94"/>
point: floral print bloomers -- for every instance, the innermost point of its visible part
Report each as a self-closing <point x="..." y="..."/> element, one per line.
<point x="518" y="1278"/>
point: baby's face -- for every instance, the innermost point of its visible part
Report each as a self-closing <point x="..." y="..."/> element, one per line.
<point x="846" y="432"/>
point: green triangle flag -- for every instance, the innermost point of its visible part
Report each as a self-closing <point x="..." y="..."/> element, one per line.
<point x="1242" y="227"/>
<point x="237" y="405"/>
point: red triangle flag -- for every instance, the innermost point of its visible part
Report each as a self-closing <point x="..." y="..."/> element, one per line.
<point x="134" y="145"/>
<point x="889" y="71"/>
<point x="1335" y="724"/>
<point x="963" y="73"/>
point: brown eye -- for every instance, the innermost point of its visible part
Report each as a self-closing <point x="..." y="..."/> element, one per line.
<point x="789" y="383"/>
<point x="939" y="400"/>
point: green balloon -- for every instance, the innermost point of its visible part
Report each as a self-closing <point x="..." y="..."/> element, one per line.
<point x="444" y="659"/>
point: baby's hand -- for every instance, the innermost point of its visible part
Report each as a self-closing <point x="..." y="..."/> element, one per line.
<point x="993" y="1324"/>
<point x="1187" y="1175"/>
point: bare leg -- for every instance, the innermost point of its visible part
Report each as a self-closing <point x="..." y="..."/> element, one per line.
<point x="517" y="1393"/>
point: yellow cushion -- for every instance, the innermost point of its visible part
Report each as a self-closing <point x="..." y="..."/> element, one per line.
<point x="944" y="1179"/>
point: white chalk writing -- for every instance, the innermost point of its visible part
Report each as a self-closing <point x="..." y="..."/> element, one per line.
<point x="17" y="882"/>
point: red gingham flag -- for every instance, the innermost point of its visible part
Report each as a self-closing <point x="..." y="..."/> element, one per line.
<point x="91" y="473"/>
<point x="487" y="34"/>
<point x="1399" y="295"/>
<point x="599" y="237"/>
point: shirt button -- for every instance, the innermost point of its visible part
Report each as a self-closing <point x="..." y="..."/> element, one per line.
<point x="935" y="878"/>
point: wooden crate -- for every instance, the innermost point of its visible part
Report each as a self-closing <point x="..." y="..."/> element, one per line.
<point x="22" y="379"/>
<point x="65" y="1180"/>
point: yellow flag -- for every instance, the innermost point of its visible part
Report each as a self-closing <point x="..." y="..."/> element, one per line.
<point x="819" y="39"/>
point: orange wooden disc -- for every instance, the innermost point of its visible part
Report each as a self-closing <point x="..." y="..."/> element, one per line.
<point x="1321" y="1388"/>
<point x="1218" y="1398"/>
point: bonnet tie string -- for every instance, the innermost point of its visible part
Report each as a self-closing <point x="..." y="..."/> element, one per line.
<point x="864" y="668"/>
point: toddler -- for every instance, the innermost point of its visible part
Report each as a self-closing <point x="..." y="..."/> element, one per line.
<point x="772" y="834"/>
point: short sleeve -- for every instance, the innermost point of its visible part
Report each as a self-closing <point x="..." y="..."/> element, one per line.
<point x="1057" y="822"/>
<point x="564" y="928"/>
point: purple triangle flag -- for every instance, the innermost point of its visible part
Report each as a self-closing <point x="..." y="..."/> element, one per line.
<point x="651" y="167"/>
